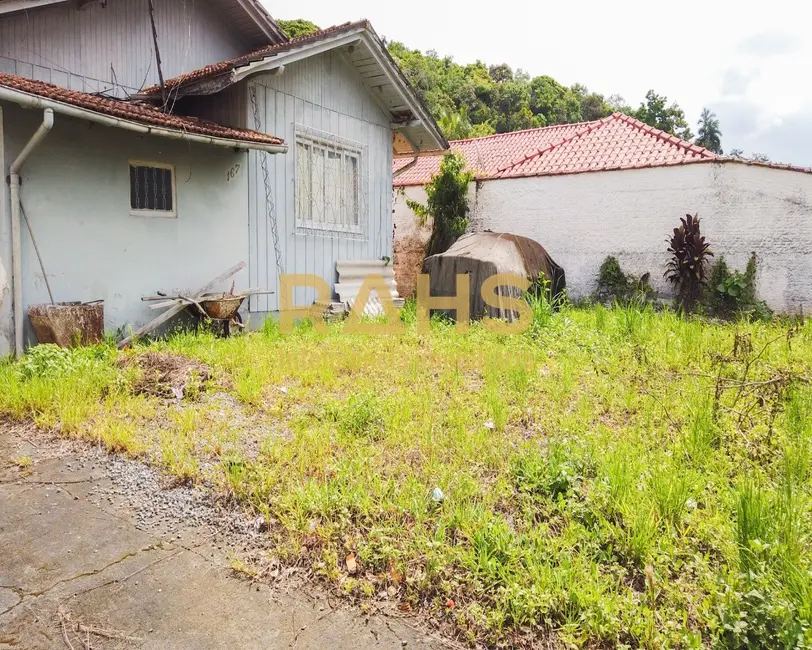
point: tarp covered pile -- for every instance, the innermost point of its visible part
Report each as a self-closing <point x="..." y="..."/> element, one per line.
<point x="484" y="254"/>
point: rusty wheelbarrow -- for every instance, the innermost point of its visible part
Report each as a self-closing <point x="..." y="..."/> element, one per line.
<point x="220" y="308"/>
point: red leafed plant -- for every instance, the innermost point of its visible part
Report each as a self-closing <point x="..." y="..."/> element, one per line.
<point x="689" y="258"/>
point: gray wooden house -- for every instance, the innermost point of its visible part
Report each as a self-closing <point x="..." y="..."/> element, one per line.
<point x="254" y="148"/>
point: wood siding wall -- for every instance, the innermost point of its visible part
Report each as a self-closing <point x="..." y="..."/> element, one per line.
<point x="324" y="93"/>
<point x="80" y="48"/>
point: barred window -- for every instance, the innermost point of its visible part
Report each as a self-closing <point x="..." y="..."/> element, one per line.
<point x="152" y="189"/>
<point x="328" y="184"/>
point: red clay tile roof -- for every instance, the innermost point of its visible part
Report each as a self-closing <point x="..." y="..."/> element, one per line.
<point x="485" y="156"/>
<point x="133" y="112"/>
<point x="615" y="142"/>
<point x="257" y="55"/>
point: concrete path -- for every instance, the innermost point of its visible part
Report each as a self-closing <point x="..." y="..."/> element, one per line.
<point x="80" y="568"/>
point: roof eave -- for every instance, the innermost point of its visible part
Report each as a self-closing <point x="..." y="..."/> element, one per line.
<point x="399" y="80"/>
<point x="419" y="121"/>
<point x="274" y="61"/>
<point x="264" y="21"/>
<point x="11" y="6"/>
<point x="28" y="100"/>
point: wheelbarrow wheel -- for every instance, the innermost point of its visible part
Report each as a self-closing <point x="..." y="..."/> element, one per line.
<point x="235" y="323"/>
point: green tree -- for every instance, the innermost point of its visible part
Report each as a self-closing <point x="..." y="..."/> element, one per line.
<point x="497" y="99"/>
<point x="481" y="130"/>
<point x="455" y="125"/>
<point x="593" y="105"/>
<point x="619" y="105"/>
<point x="671" y="119"/>
<point x="446" y="203"/>
<point x="737" y="153"/>
<point x="760" y="157"/>
<point x="710" y="135"/>
<point x="501" y="73"/>
<point x="558" y="104"/>
<point x="513" y="107"/>
<point x="297" y="27"/>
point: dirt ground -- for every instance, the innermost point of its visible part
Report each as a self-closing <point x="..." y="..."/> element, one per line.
<point x="98" y="553"/>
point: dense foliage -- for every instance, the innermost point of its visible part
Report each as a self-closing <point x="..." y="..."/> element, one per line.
<point x="446" y="204"/>
<point x="477" y="99"/>
<point x="732" y="293"/>
<point x="298" y="27"/>
<point x="616" y="286"/>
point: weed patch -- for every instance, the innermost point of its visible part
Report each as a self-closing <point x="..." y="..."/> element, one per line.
<point x="617" y="477"/>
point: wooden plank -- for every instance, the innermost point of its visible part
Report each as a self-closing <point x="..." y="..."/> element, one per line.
<point x="174" y="311"/>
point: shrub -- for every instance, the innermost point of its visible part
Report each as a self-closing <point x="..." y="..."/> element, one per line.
<point x="616" y="286"/>
<point x="543" y="305"/>
<point x="611" y="277"/>
<point x="51" y="361"/>
<point x="689" y="257"/>
<point x="732" y="293"/>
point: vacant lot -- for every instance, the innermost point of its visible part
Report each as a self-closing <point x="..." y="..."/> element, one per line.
<point x="610" y="478"/>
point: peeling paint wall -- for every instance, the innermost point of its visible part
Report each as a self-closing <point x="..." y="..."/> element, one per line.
<point x="411" y="239"/>
<point x="582" y="218"/>
<point x="75" y="189"/>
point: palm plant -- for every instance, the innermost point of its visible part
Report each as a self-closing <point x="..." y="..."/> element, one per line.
<point x="455" y="125"/>
<point x="710" y="135"/>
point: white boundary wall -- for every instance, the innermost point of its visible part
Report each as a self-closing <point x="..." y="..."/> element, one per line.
<point x="582" y="218"/>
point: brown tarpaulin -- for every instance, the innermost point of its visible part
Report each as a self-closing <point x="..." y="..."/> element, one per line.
<point x="484" y="254"/>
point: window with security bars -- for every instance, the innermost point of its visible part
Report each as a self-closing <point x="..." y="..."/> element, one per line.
<point x="328" y="184"/>
<point x="152" y="189"/>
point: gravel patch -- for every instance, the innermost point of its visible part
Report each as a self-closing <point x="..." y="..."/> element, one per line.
<point x="143" y="489"/>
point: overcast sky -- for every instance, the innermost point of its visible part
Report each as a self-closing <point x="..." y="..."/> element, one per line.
<point x="752" y="66"/>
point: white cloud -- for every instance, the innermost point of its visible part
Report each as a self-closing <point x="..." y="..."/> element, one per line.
<point x="771" y="43"/>
<point x="736" y="81"/>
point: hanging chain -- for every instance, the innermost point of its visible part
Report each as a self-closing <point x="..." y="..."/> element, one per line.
<point x="269" y="204"/>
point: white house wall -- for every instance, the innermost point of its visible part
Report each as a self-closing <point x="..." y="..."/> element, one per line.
<point x="6" y="307"/>
<point x="324" y="93"/>
<point x="94" y="47"/>
<point x="75" y="191"/>
<point x="580" y="219"/>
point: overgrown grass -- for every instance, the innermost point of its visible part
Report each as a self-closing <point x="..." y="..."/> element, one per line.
<point x="612" y="478"/>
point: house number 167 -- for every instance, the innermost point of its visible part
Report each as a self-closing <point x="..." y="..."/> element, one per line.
<point x="231" y="174"/>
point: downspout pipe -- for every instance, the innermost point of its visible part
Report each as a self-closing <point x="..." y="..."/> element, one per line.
<point x="27" y="100"/>
<point x="16" y="249"/>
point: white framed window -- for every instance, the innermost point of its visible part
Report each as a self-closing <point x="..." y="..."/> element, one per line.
<point x="329" y="183"/>
<point x="153" y="191"/>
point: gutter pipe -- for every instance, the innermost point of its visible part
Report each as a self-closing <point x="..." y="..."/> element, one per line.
<point x="27" y="100"/>
<point x="16" y="252"/>
<point x="34" y="101"/>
